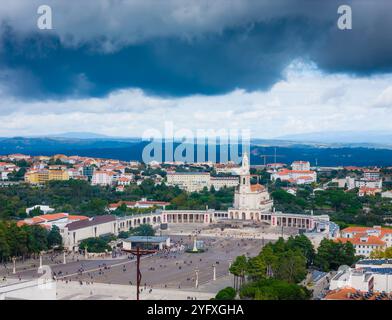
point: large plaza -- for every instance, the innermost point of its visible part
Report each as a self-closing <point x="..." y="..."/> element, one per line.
<point x="169" y="273"/>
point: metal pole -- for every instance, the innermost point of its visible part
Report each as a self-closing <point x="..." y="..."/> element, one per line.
<point x="64" y="259"/>
<point x="214" y="272"/>
<point x="138" y="273"/>
<point x="197" y="278"/>
<point x="14" y="268"/>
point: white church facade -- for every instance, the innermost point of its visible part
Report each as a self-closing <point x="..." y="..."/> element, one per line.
<point x="250" y="201"/>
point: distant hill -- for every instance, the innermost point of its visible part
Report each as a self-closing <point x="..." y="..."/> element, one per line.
<point x="79" y="135"/>
<point x="343" y="137"/>
<point x="132" y="149"/>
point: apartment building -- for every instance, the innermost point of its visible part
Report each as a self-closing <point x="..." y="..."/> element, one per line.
<point x="196" y="181"/>
<point x="44" y="175"/>
<point x="367" y="239"/>
<point x="102" y="178"/>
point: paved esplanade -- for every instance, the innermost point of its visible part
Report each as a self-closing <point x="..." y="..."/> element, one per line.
<point x="173" y="270"/>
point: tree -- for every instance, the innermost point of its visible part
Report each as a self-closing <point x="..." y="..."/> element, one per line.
<point x="273" y="289"/>
<point x="303" y="243"/>
<point x="143" y="230"/>
<point x="123" y="234"/>
<point x="256" y="268"/>
<point x="36" y="212"/>
<point x="330" y="255"/>
<point x="238" y="269"/>
<point x="381" y="254"/>
<point x="37" y="238"/>
<point x="292" y="267"/>
<point x="54" y="237"/>
<point x="96" y="245"/>
<point x="5" y="250"/>
<point x="227" y="293"/>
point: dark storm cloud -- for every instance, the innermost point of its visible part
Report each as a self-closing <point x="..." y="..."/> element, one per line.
<point x="249" y="53"/>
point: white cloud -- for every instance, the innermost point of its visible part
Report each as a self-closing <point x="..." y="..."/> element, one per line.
<point x="295" y="105"/>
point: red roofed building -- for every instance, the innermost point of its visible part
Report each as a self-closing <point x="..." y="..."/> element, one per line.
<point x="295" y="176"/>
<point x="49" y="220"/>
<point x="367" y="191"/>
<point x="367" y="239"/>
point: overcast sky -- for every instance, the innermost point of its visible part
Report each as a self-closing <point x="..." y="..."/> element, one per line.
<point x="120" y="67"/>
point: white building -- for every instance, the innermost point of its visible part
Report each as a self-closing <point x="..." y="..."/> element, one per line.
<point x="368" y="183"/>
<point x="196" y="181"/>
<point x="300" y="166"/>
<point x="77" y="231"/>
<point x="102" y="178"/>
<point x="43" y="208"/>
<point x="364" y="279"/>
<point x="367" y="239"/>
<point x="221" y="182"/>
<point x="295" y="176"/>
<point x="387" y="194"/>
<point x="189" y="181"/>
<point x="347" y="182"/>
<point x="371" y="175"/>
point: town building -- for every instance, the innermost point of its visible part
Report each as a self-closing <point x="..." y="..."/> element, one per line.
<point x="141" y="204"/>
<point x="367" y="239"/>
<point x="102" y="178"/>
<point x="44" y="175"/>
<point x="371" y="175"/>
<point x="300" y="173"/>
<point x="45" y="209"/>
<point x="300" y="166"/>
<point x="359" y="183"/>
<point x="224" y="182"/>
<point x="226" y="168"/>
<point x="197" y="181"/>
<point x="366" y="191"/>
<point x="77" y="231"/>
<point x="369" y="280"/>
<point x="387" y="194"/>
<point x="52" y="219"/>
<point x="189" y="181"/>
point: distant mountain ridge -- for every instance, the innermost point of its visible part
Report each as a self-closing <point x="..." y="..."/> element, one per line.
<point x="261" y="150"/>
<point x="343" y="137"/>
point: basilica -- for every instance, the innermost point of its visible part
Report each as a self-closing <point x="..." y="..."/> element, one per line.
<point x="251" y="202"/>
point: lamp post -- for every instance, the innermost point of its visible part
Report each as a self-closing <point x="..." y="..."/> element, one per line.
<point x="197" y="278"/>
<point x="213" y="272"/>
<point x="64" y="259"/>
<point x="14" y="267"/>
<point x="40" y="259"/>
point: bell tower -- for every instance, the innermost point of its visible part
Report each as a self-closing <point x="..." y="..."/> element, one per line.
<point x="245" y="175"/>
